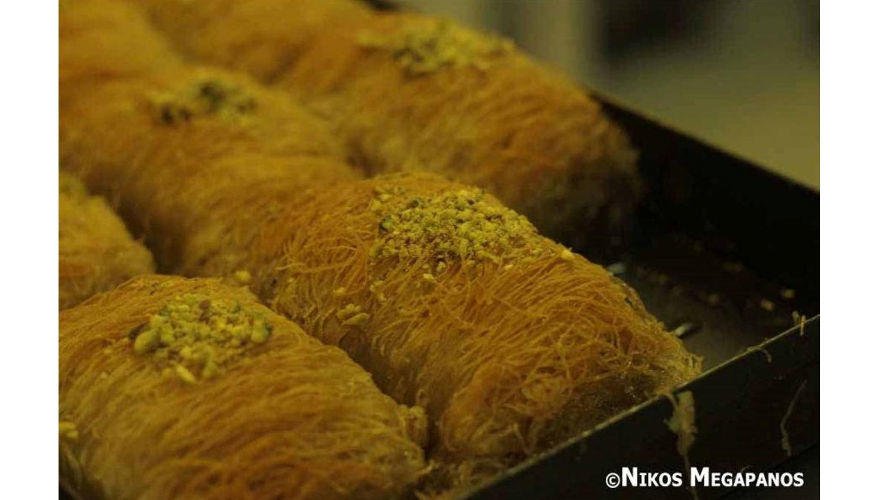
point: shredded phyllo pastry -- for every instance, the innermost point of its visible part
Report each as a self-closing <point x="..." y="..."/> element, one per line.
<point x="436" y="44"/>
<point x="207" y="97"/>
<point x="95" y="250"/>
<point x="459" y="224"/>
<point x="449" y="299"/>
<point x="288" y="415"/>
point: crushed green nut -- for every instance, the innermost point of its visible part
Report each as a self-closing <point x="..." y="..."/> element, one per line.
<point x="459" y="224"/>
<point x="194" y="334"/>
<point x="206" y="97"/>
<point x="242" y="276"/>
<point x="68" y="430"/>
<point x="348" y="311"/>
<point x="375" y="289"/>
<point x="352" y="315"/>
<point x="185" y="374"/>
<point x="432" y="44"/>
<point x="146" y="341"/>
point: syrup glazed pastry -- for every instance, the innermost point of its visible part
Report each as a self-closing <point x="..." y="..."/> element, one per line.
<point x="96" y="252"/>
<point x="212" y="112"/>
<point x="195" y="137"/>
<point x="509" y="341"/>
<point x="410" y="92"/>
<point x="178" y="388"/>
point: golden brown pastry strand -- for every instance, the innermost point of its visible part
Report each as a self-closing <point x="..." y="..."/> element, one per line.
<point x="282" y="415"/>
<point x="211" y="112"/>
<point x="96" y="252"/>
<point x="103" y="31"/>
<point x="261" y="38"/>
<point x="475" y="109"/>
<point x="509" y="354"/>
<point x="413" y="92"/>
<point x="510" y="341"/>
<point x="189" y="172"/>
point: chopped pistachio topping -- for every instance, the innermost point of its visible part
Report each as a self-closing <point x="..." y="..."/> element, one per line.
<point x="356" y="320"/>
<point x="352" y="315"/>
<point x="206" y="97"/>
<point x="376" y="289"/>
<point x="458" y="224"/>
<point x="198" y="336"/>
<point x="68" y="430"/>
<point x="186" y="375"/>
<point x="242" y="276"/>
<point x="425" y="47"/>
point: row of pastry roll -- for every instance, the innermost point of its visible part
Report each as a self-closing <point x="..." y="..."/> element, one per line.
<point x="189" y="388"/>
<point x="453" y="302"/>
<point x="95" y="251"/>
<point x="409" y="92"/>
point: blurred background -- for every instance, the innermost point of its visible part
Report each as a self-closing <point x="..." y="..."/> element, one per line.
<point x="740" y="74"/>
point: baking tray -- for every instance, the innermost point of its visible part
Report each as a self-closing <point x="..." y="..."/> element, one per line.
<point x="726" y="253"/>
